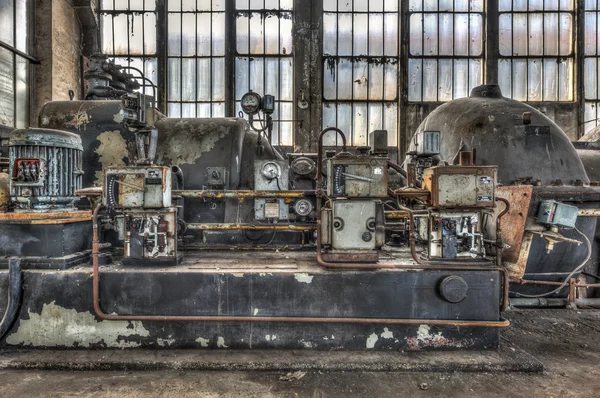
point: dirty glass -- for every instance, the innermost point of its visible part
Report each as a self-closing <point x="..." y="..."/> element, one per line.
<point x="591" y="64"/>
<point x="14" y="69"/>
<point x="264" y="59"/>
<point x="196" y="58"/>
<point x="360" y="82"/>
<point x="446" y="49"/>
<point x="129" y="35"/>
<point x="536" y="49"/>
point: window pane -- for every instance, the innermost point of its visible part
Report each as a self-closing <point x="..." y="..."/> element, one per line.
<point x="360" y="80"/>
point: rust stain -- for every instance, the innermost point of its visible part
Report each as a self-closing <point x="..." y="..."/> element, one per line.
<point x="46" y="218"/>
<point x="513" y="225"/>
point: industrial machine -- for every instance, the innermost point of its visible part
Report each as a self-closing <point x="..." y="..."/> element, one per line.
<point x="206" y="234"/>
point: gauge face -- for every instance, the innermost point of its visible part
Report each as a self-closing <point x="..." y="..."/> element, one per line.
<point x="251" y="103"/>
<point x="303" y="207"/>
<point x="271" y="171"/>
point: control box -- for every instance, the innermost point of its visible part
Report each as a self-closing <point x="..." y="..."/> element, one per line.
<point x="456" y="187"/>
<point x="350" y="176"/>
<point x="428" y="143"/>
<point x="455" y="235"/>
<point x="138" y="187"/>
<point x="271" y="175"/>
<point x="151" y="237"/>
<point x="556" y="214"/>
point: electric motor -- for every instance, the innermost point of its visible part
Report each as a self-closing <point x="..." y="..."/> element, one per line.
<point x="45" y="169"/>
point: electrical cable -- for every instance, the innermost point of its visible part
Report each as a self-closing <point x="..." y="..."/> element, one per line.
<point x="568" y="278"/>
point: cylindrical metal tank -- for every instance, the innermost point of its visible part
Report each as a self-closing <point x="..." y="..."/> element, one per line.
<point x="45" y="168"/>
<point x="519" y="139"/>
<point x="522" y="142"/>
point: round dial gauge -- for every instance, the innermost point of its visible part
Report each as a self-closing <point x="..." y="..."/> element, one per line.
<point x="271" y="171"/>
<point x="251" y="103"/>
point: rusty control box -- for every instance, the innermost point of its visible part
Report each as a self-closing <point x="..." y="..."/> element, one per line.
<point x="141" y="195"/>
<point x="352" y="176"/>
<point x="143" y="187"/>
<point x="461" y="187"/>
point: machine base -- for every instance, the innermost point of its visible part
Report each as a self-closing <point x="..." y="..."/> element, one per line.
<point x="57" y="307"/>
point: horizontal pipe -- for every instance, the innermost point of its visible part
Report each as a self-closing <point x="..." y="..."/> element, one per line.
<point x="589" y="213"/>
<point x="549" y="283"/>
<point x="396" y="215"/>
<point x="214" y="194"/>
<point x="252" y="227"/>
<point x="552" y="302"/>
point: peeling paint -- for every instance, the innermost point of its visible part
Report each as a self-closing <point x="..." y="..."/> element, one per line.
<point x="307" y="344"/>
<point x="61" y="327"/>
<point x="372" y="340"/>
<point x="271" y="337"/>
<point x="425" y="339"/>
<point x="238" y="275"/>
<point x="112" y="151"/>
<point x="203" y="342"/>
<point x="303" y="278"/>
<point x="221" y="342"/>
<point x="190" y="141"/>
<point x="255" y="311"/>
<point x="164" y="342"/>
<point x="387" y="334"/>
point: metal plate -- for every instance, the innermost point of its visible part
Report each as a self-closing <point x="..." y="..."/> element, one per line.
<point x="513" y="226"/>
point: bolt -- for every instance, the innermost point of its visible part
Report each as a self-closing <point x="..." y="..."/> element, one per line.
<point x="367" y="236"/>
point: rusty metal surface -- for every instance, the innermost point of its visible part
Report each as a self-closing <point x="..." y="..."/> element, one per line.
<point x="213" y="194"/>
<point x="252" y="227"/>
<point x="367" y="256"/>
<point x="513" y="225"/>
<point x="66" y="215"/>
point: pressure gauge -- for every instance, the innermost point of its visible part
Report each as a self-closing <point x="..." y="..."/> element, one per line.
<point x="303" y="207"/>
<point x="271" y="170"/>
<point x="251" y="103"/>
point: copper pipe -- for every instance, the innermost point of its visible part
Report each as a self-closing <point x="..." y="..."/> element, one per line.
<point x="214" y="194"/>
<point x="549" y="283"/>
<point x="251" y="227"/>
<point x="286" y="319"/>
<point x="320" y="151"/>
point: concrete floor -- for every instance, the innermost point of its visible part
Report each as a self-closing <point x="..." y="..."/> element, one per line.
<point x="567" y="342"/>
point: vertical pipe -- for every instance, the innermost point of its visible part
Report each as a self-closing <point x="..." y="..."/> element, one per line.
<point x="15" y="294"/>
<point x="403" y="82"/>
<point x="492" y="42"/>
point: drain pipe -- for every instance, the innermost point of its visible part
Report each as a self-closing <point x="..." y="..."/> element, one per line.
<point x="15" y="294"/>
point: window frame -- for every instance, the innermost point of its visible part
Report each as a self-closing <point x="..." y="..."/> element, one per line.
<point x="21" y="53"/>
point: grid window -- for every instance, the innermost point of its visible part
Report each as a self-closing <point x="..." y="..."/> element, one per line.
<point x="264" y="61"/>
<point x="14" y="69"/>
<point x="591" y="64"/>
<point x="446" y="49"/>
<point x="196" y="58"/>
<point x="536" y="50"/>
<point x="360" y="82"/>
<point x="129" y="35"/>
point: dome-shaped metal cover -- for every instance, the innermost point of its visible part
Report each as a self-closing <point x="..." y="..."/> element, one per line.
<point x="520" y="140"/>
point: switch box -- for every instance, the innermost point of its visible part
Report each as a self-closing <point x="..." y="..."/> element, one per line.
<point x="352" y="176"/>
<point x="556" y="214"/>
<point x="460" y="187"/>
<point x="137" y="187"/>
